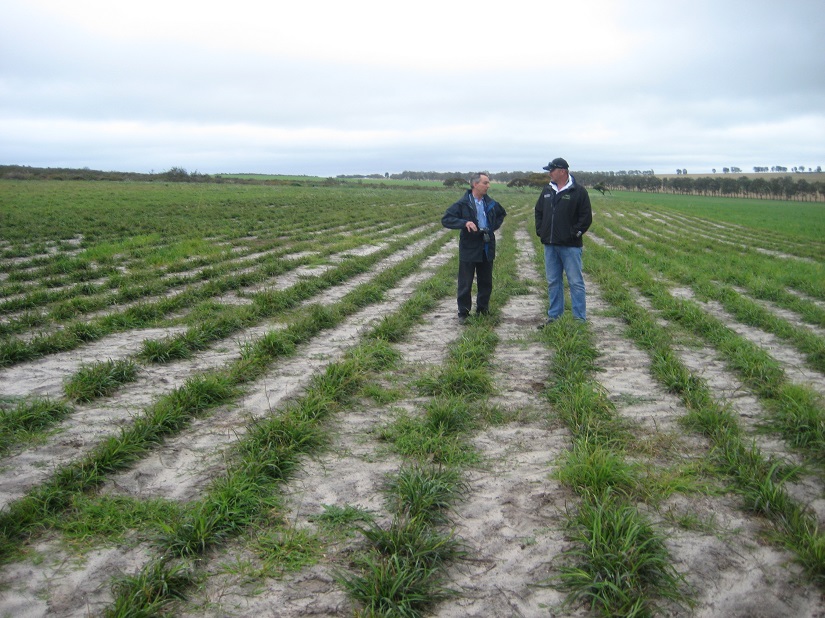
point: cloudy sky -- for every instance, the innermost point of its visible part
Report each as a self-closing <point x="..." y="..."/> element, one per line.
<point x="370" y="86"/>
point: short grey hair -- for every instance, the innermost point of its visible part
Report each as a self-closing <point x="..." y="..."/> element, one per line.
<point x="476" y="178"/>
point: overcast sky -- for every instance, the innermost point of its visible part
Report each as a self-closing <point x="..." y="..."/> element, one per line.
<point x="361" y="87"/>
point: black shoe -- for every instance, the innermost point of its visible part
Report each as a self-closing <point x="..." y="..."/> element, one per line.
<point x="462" y="317"/>
<point x="547" y="322"/>
<point x="483" y="312"/>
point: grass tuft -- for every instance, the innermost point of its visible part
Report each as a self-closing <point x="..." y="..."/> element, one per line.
<point x="150" y="592"/>
<point x="424" y="493"/>
<point x="620" y="564"/>
<point x="100" y="379"/>
<point x="27" y="418"/>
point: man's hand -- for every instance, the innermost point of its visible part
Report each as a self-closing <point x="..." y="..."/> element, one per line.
<point x="470" y="226"/>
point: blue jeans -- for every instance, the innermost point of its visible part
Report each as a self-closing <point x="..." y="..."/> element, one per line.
<point x="558" y="259"/>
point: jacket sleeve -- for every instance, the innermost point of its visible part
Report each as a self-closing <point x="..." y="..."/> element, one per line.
<point x="452" y="218"/>
<point x="584" y="215"/>
<point x="539" y="212"/>
<point x="500" y="214"/>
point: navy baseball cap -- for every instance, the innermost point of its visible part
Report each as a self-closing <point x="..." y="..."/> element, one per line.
<point x="557" y="163"/>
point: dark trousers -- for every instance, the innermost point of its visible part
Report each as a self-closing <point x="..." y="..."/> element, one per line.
<point x="483" y="271"/>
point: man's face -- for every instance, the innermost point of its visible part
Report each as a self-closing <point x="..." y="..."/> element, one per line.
<point x="558" y="174"/>
<point x="480" y="188"/>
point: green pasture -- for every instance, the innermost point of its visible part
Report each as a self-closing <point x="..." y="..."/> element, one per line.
<point x="109" y="213"/>
<point x="803" y="219"/>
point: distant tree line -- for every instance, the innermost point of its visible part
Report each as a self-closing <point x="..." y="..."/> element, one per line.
<point x="23" y="172"/>
<point x="175" y="174"/>
<point x="795" y="187"/>
<point x="776" y="188"/>
<point x="778" y="168"/>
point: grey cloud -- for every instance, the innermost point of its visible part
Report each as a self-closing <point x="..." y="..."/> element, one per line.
<point x="703" y="78"/>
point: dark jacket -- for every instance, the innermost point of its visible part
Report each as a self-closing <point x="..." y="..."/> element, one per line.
<point x="471" y="245"/>
<point x="562" y="218"/>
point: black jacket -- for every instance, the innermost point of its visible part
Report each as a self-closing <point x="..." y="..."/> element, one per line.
<point x="562" y="218"/>
<point x="471" y="245"/>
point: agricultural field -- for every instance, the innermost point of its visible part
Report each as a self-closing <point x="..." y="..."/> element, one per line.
<point x="242" y="400"/>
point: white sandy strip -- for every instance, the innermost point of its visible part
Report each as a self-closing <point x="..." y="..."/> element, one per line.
<point x="511" y="519"/>
<point x="786" y="314"/>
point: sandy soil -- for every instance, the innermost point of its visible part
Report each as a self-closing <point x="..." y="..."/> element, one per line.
<point x="511" y="519"/>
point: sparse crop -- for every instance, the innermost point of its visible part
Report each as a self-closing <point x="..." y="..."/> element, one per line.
<point x="273" y="343"/>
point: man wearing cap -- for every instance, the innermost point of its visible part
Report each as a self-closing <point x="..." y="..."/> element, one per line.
<point x="478" y="216"/>
<point x="563" y="215"/>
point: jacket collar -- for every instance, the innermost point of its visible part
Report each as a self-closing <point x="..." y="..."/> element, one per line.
<point x="484" y="198"/>
<point x="569" y="184"/>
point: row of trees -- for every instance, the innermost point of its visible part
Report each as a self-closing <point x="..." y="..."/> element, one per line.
<point x="778" y="187"/>
<point x="762" y="169"/>
<point x="175" y="174"/>
<point x="509" y="176"/>
<point x="24" y="172"/>
<point x="778" y="168"/>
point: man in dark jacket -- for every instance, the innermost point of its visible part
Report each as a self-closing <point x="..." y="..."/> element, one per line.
<point x="563" y="215"/>
<point x="478" y="216"/>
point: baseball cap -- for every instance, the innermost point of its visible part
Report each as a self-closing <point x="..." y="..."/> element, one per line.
<point x="556" y="163"/>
